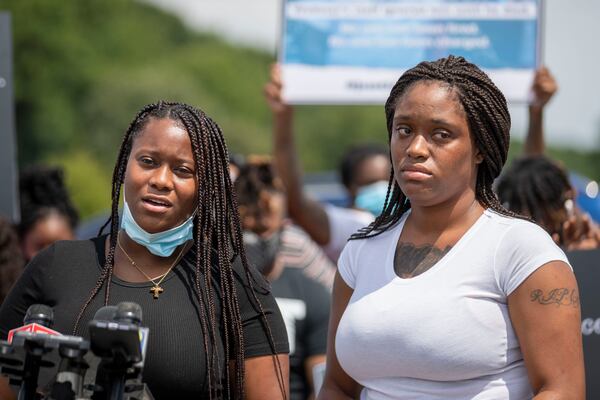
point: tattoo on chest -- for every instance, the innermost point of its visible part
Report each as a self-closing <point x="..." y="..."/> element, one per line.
<point x="558" y="297"/>
<point x="411" y="260"/>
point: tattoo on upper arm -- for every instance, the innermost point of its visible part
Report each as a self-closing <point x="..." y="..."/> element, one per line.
<point x="558" y="296"/>
<point x="411" y="260"/>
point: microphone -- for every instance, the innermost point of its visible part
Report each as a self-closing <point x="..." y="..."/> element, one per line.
<point x="106" y="313"/>
<point x="129" y="312"/>
<point x="32" y="350"/>
<point x="39" y="314"/>
<point x="26" y="344"/>
<point x="115" y="333"/>
<point x="116" y="336"/>
<point x="38" y="319"/>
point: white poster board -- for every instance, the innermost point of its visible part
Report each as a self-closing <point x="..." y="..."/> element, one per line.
<point x="353" y="51"/>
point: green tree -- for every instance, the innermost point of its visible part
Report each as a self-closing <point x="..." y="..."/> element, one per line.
<point x="83" y="68"/>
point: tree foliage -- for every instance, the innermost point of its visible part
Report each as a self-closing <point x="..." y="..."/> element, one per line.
<point x="83" y="68"/>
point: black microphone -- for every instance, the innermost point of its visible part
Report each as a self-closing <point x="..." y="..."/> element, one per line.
<point x="106" y="313"/>
<point x="118" y="339"/>
<point x="39" y="314"/>
<point x="38" y="319"/>
<point x="32" y="351"/>
<point x="68" y="381"/>
<point x="129" y="312"/>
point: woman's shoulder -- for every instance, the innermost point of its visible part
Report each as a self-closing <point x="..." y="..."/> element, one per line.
<point x="78" y="251"/>
<point x="518" y="236"/>
<point x="249" y="278"/>
<point x="67" y="259"/>
<point x="80" y="244"/>
<point x="522" y="247"/>
<point x="64" y="251"/>
<point x="514" y="227"/>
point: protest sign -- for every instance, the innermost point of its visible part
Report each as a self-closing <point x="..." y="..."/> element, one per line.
<point x="353" y="51"/>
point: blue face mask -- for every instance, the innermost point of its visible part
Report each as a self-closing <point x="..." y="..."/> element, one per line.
<point x="372" y="197"/>
<point x="162" y="244"/>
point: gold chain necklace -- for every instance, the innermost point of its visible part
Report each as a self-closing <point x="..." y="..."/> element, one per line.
<point x="156" y="290"/>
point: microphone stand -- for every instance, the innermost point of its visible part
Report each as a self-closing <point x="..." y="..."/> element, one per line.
<point x="110" y="381"/>
<point x="35" y="346"/>
<point x="116" y="385"/>
<point x="71" y="371"/>
<point x="31" y="372"/>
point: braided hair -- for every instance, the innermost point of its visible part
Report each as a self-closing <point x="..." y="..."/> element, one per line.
<point x="489" y="124"/>
<point x="256" y="176"/>
<point x="538" y="187"/>
<point x="217" y="238"/>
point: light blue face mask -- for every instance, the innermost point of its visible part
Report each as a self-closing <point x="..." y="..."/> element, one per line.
<point x="372" y="197"/>
<point x="162" y="244"/>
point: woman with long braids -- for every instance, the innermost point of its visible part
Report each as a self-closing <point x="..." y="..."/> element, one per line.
<point x="447" y="295"/>
<point x="215" y="329"/>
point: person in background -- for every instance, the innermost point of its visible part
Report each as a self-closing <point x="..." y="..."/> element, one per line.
<point x="235" y="163"/>
<point x="47" y="213"/>
<point x="262" y="205"/>
<point x="294" y="266"/>
<point x="539" y="187"/>
<point x="177" y="250"/>
<point x="11" y="259"/>
<point x="448" y="295"/>
<point x="365" y="171"/>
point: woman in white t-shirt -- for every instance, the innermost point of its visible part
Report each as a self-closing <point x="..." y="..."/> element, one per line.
<point x="447" y="295"/>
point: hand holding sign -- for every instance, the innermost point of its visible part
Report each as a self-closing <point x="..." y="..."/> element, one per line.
<point x="274" y="92"/>
<point x="544" y="87"/>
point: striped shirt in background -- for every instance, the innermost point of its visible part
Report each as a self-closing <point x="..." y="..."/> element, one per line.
<point x="298" y="250"/>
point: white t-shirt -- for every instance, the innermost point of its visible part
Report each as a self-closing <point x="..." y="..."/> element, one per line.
<point x="343" y="222"/>
<point x="444" y="334"/>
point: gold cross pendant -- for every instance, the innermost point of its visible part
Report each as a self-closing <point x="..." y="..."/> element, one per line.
<point x="156" y="291"/>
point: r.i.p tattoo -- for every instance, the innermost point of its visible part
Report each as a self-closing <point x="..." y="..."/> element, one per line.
<point x="558" y="296"/>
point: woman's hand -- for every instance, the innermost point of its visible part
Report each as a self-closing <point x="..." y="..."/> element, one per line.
<point x="543" y="88"/>
<point x="579" y="232"/>
<point x="546" y="317"/>
<point x="273" y="92"/>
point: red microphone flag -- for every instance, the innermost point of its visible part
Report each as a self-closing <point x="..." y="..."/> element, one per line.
<point x="33" y="328"/>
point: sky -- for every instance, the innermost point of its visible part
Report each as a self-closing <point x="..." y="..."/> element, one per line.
<point x="570" y="50"/>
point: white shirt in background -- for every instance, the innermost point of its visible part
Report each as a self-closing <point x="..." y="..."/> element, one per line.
<point x="343" y="222"/>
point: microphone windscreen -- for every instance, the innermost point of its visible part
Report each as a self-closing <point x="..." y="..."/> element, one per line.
<point x="39" y="314"/>
<point x="106" y="313"/>
<point x="128" y="311"/>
